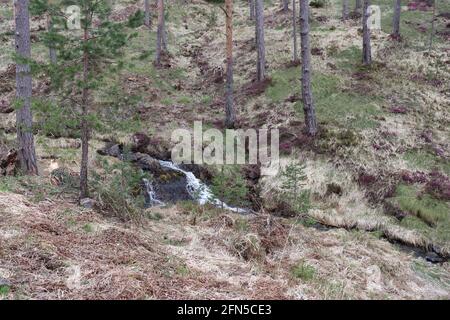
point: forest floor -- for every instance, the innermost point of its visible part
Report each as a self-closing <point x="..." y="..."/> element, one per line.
<point x="384" y="141"/>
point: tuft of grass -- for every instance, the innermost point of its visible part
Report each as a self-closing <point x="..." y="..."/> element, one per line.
<point x="303" y="271"/>
<point x="183" y="270"/>
<point x="88" y="228"/>
<point x="241" y="225"/>
<point x="167" y="101"/>
<point x="422" y="159"/>
<point x="429" y="216"/>
<point x="184" y="100"/>
<point x="155" y="216"/>
<point x="4" y="290"/>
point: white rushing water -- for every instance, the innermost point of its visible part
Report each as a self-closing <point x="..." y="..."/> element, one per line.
<point x="150" y="199"/>
<point x="198" y="190"/>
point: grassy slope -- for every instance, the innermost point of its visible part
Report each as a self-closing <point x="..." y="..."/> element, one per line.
<point x="343" y="104"/>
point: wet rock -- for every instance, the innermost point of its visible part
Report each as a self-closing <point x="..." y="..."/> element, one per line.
<point x="433" y="257"/>
<point x="87" y="203"/>
<point x="144" y="161"/>
<point x="111" y="149"/>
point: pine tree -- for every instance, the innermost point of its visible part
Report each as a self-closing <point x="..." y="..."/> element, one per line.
<point x="433" y="19"/>
<point x="85" y="57"/>
<point x="396" y="19"/>
<point x="147" y="16"/>
<point x="51" y="46"/>
<point x="367" y="50"/>
<point x="345" y="10"/>
<point x="24" y="117"/>
<point x="307" y="98"/>
<point x="251" y="6"/>
<point x="293" y="179"/>
<point x="260" y="43"/>
<point x="230" y="115"/>
<point x="161" y="40"/>
<point x="294" y="30"/>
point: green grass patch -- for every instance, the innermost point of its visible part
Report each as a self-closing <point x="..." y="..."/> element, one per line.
<point x="429" y="216"/>
<point x="423" y="159"/>
<point x="333" y="104"/>
<point x="303" y="271"/>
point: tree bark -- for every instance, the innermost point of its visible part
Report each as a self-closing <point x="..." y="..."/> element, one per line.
<point x="358" y="5"/>
<point x="52" y="50"/>
<point x="251" y="4"/>
<point x="396" y="19"/>
<point x="307" y="98"/>
<point x="432" y="25"/>
<point x="84" y="191"/>
<point x="345" y="10"/>
<point x="260" y="44"/>
<point x="367" y="50"/>
<point x="285" y="5"/>
<point x="24" y="117"/>
<point x="147" y="17"/>
<point x="230" y="116"/>
<point x="294" y="29"/>
<point x="164" y="31"/>
<point x="159" y="32"/>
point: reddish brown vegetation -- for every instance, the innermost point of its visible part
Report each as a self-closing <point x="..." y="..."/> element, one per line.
<point x="439" y="186"/>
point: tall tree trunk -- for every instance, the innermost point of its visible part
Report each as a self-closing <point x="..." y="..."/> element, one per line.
<point x="367" y="50"/>
<point x="285" y="5"/>
<point x="84" y="191"/>
<point x="260" y="44"/>
<point x="307" y="98"/>
<point x="24" y="118"/>
<point x="52" y="50"/>
<point x="396" y="19"/>
<point x="294" y="29"/>
<point x="432" y="25"/>
<point x="164" y="33"/>
<point x="251" y="5"/>
<point x="345" y="10"/>
<point x="358" y="5"/>
<point x="159" y="32"/>
<point x="230" y="116"/>
<point x="147" y="17"/>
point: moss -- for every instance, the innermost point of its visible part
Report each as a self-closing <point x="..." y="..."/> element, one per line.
<point x="429" y="216"/>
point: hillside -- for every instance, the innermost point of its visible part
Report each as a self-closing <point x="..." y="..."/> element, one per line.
<point x="377" y="222"/>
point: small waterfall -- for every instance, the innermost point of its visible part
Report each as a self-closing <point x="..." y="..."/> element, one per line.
<point x="198" y="190"/>
<point x="150" y="195"/>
